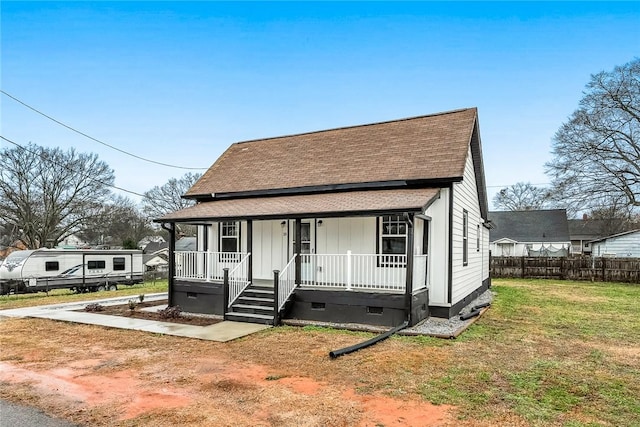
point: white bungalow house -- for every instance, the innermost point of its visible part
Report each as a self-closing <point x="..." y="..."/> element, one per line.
<point x="530" y="233"/>
<point x="621" y="245"/>
<point x="391" y="219"/>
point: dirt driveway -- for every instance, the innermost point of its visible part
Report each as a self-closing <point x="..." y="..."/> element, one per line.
<point x="97" y="376"/>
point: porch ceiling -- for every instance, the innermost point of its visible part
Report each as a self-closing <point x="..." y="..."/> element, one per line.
<point x="308" y="205"/>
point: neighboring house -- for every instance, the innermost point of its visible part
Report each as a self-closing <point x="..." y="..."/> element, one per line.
<point x="187" y="244"/>
<point x="373" y="224"/>
<point x="142" y="244"/>
<point x="529" y="233"/>
<point x="621" y="245"/>
<point x="153" y="247"/>
<point x="583" y="231"/>
<point x="156" y="261"/>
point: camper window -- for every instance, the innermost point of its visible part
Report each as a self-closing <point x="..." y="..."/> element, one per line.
<point x="94" y="265"/>
<point x="118" y="264"/>
<point x="51" y="266"/>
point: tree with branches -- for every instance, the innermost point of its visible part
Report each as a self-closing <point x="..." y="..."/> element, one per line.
<point x="47" y="194"/>
<point x="118" y="221"/>
<point x="522" y="197"/>
<point x="597" y="151"/>
<point x="161" y="200"/>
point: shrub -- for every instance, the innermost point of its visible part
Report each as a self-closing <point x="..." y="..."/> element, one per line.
<point x="93" y="307"/>
<point x="170" y="312"/>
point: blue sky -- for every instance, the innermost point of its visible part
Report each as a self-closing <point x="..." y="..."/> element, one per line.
<point x="179" y="82"/>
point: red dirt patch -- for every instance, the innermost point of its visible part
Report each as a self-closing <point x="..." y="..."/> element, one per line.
<point x="82" y="389"/>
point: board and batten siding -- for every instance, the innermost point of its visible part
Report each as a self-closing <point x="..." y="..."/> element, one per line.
<point x="438" y="259"/>
<point x="469" y="277"/>
<point x="627" y="245"/>
<point x="339" y="235"/>
<point x="269" y="252"/>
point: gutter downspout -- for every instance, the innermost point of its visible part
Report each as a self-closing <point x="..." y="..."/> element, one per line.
<point x="336" y="353"/>
<point x="408" y="295"/>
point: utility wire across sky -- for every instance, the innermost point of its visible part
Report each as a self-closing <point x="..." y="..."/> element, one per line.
<point x="95" y="139"/>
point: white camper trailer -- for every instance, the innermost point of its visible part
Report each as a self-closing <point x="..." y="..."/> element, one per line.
<point x="78" y="270"/>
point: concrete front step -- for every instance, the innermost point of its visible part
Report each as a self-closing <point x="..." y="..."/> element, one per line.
<point x="263" y="319"/>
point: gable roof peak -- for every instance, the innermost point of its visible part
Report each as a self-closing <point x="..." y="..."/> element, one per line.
<point x="417" y="149"/>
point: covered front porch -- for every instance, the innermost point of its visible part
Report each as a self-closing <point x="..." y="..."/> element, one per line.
<point x="351" y="287"/>
<point x="360" y="266"/>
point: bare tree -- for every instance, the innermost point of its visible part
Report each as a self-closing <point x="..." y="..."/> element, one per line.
<point x="597" y="152"/>
<point x="48" y="194"/>
<point x="119" y="220"/>
<point x="168" y="198"/>
<point x="522" y="197"/>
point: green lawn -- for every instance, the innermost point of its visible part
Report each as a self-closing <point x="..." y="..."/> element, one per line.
<point x="65" y="295"/>
<point x="547" y="352"/>
<point x="553" y="352"/>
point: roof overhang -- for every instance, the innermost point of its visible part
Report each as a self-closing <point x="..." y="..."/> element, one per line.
<point x="505" y="240"/>
<point x="348" y="203"/>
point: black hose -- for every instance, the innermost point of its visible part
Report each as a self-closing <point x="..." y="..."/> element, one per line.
<point x="479" y="306"/>
<point x="469" y="315"/>
<point x="336" y="353"/>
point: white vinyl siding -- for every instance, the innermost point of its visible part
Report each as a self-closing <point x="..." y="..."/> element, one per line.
<point x="438" y="261"/>
<point x="627" y="245"/>
<point x="467" y="276"/>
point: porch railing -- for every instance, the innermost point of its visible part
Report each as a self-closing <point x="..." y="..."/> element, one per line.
<point x="239" y="279"/>
<point x="355" y="271"/>
<point x="203" y="265"/>
<point x="286" y="282"/>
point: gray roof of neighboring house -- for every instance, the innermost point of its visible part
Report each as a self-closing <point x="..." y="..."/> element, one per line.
<point x="624" y="233"/>
<point x="530" y="226"/>
<point x="186" y="244"/>
<point x="155" y="247"/>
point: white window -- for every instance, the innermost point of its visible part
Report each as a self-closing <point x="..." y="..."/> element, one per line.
<point x="392" y="240"/>
<point x="465" y="237"/>
<point x="229" y="236"/>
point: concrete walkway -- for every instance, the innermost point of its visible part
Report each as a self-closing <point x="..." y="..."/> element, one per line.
<point x="67" y="312"/>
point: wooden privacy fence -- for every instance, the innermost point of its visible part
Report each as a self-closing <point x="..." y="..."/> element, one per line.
<point x="597" y="269"/>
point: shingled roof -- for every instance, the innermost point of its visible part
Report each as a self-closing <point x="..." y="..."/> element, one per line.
<point x="304" y="205"/>
<point x="530" y="226"/>
<point x="432" y="147"/>
<point x="395" y="166"/>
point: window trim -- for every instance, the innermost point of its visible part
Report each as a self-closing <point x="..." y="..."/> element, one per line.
<point x="221" y="227"/>
<point x="465" y="237"/>
<point x="478" y="239"/>
<point x="380" y="236"/>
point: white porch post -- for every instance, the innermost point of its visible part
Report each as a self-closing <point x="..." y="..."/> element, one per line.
<point x="349" y="270"/>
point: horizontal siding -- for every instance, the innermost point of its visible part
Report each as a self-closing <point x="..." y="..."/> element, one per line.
<point x="622" y="246"/>
<point x="465" y="197"/>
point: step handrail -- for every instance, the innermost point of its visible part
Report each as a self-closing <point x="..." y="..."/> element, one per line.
<point x="286" y="283"/>
<point x="237" y="285"/>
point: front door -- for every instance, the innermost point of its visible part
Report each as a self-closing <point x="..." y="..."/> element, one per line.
<point x="307" y="243"/>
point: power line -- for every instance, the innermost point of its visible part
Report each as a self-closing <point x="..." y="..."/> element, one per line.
<point x="69" y="169"/>
<point x="95" y="139"/>
<point x="504" y="186"/>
